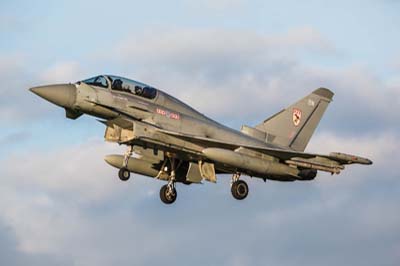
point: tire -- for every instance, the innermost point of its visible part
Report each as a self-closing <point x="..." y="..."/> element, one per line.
<point x="166" y="197"/>
<point x="124" y="174"/>
<point x="239" y="190"/>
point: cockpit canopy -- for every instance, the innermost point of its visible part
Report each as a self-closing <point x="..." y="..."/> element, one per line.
<point x="122" y="84"/>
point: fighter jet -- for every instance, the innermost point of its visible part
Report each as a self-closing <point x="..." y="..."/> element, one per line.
<point x="175" y="143"/>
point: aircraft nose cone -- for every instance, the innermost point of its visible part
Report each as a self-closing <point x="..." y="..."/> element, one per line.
<point x="63" y="95"/>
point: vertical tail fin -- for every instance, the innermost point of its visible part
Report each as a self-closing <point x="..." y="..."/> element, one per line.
<point x="294" y="126"/>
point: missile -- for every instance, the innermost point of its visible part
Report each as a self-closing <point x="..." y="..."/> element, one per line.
<point x="250" y="163"/>
<point x="350" y="158"/>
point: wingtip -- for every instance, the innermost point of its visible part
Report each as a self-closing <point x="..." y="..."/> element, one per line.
<point x="368" y="162"/>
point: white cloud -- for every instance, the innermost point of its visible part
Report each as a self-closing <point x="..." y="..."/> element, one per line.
<point x="69" y="202"/>
<point x="17" y="103"/>
<point x="48" y="196"/>
<point x="220" y="72"/>
<point x="361" y="85"/>
<point x="62" y="72"/>
<point x="14" y="90"/>
<point x="33" y="190"/>
<point x="196" y="49"/>
<point x="55" y="200"/>
<point x="77" y="169"/>
<point x="382" y="148"/>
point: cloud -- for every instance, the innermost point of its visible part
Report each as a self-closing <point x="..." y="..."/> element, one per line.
<point x="214" y="49"/>
<point x="333" y="232"/>
<point x="13" y="92"/>
<point x="220" y="71"/>
<point x="62" y="72"/>
<point x="17" y="104"/>
<point x="14" y="100"/>
<point x="382" y="149"/>
<point x="73" y="169"/>
<point x="377" y="101"/>
<point x="187" y="58"/>
<point x="56" y="199"/>
<point x="222" y="64"/>
<point x="65" y="202"/>
<point x="10" y="253"/>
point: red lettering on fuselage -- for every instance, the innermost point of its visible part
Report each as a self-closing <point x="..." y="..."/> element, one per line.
<point x="168" y="114"/>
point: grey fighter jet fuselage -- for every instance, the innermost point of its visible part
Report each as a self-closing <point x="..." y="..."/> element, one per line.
<point x="176" y="143"/>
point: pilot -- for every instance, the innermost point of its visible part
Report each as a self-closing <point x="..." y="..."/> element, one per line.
<point x="126" y="88"/>
<point x="138" y="90"/>
<point x="117" y="85"/>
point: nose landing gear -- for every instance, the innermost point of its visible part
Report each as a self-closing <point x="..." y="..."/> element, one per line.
<point x="124" y="173"/>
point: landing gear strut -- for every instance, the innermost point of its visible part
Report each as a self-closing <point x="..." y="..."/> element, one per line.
<point x="239" y="188"/>
<point x="168" y="192"/>
<point x="124" y="173"/>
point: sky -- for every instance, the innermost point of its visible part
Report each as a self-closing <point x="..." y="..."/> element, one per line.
<point x="236" y="61"/>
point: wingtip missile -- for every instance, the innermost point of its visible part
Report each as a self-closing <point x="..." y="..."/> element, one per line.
<point x="350" y="159"/>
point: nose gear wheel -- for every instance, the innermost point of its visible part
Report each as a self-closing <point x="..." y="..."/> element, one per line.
<point x="124" y="174"/>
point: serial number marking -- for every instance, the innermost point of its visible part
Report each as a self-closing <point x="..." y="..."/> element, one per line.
<point x="168" y="114"/>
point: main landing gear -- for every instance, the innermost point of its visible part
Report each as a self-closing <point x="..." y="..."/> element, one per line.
<point x="124" y="173"/>
<point x="168" y="192"/>
<point x="239" y="188"/>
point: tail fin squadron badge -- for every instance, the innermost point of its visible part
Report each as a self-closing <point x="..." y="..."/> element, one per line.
<point x="296" y="116"/>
